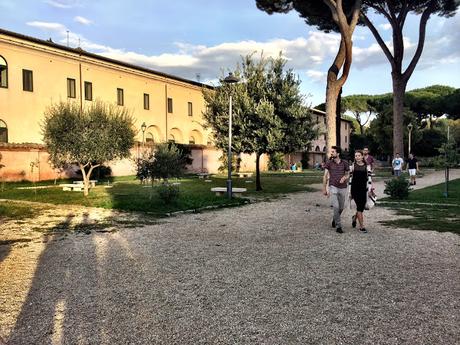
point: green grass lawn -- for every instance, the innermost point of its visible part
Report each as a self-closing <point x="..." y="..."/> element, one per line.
<point x="445" y="217"/>
<point x="17" y="211"/>
<point x="128" y="194"/>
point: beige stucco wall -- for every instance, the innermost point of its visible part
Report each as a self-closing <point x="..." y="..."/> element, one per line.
<point x="23" y="111"/>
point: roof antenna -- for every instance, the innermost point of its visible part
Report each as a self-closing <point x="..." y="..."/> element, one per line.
<point x="79" y="42"/>
<point x="198" y="77"/>
<point x="67" y="38"/>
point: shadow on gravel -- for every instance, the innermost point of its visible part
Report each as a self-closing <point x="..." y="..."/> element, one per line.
<point x="65" y="295"/>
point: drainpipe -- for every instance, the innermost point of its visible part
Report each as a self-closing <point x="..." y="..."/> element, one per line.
<point x="166" y="108"/>
<point x="81" y="96"/>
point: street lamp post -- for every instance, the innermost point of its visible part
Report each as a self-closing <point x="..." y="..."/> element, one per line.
<point x="143" y="128"/>
<point x="409" y="127"/>
<point x="230" y="79"/>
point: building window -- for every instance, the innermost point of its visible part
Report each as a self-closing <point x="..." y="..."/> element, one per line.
<point x="88" y="91"/>
<point x="146" y="101"/>
<point x="27" y="80"/>
<point x="120" y="97"/>
<point x="190" y="109"/>
<point x="324" y="149"/>
<point x="346" y="138"/>
<point x="346" y="125"/>
<point x="324" y="136"/>
<point x="317" y="119"/>
<point x="3" y="132"/>
<point x="191" y="141"/>
<point x="3" y="72"/>
<point x="170" y="105"/>
<point x="317" y="149"/>
<point x="71" y="88"/>
<point x="324" y="119"/>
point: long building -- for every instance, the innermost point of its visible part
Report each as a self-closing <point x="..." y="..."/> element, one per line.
<point x="35" y="73"/>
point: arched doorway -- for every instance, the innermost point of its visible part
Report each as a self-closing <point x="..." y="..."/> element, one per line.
<point x="3" y="72"/>
<point x="3" y="132"/>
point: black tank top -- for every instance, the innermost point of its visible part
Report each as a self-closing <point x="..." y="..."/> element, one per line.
<point x="359" y="180"/>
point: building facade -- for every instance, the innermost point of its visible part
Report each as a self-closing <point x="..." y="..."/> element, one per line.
<point x="35" y="73"/>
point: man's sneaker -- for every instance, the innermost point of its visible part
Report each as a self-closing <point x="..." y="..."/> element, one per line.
<point x="339" y="230"/>
<point x="353" y="221"/>
<point x="333" y="223"/>
<point x="363" y="230"/>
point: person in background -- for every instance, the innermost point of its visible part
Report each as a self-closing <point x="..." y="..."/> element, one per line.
<point x="336" y="173"/>
<point x="360" y="184"/>
<point x="368" y="158"/>
<point x="412" y="168"/>
<point x="397" y="165"/>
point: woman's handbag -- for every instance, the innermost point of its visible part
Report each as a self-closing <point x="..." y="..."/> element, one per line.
<point x="371" y="199"/>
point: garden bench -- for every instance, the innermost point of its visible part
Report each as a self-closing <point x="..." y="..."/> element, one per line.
<point x="92" y="183"/>
<point x="245" y="174"/>
<point x="223" y="190"/>
<point x="203" y="175"/>
<point x="74" y="187"/>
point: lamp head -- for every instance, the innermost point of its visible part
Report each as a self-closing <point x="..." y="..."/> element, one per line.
<point x="231" y="79"/>
<point x="409" y="126"/>
<point x="143" y="127"/>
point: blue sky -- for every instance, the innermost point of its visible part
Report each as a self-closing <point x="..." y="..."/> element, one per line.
<point x="191" y="38"/>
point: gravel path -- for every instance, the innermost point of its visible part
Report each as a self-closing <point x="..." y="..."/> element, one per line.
<point x="267" y="273"/>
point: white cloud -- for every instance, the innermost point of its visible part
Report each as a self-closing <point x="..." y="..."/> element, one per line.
<point x="208" y="61"/>
<point x="63" y="3"/>
<point x="83" y="20"/>
<point x="386" y="26"/>
<point x="47" y="26"/>
<point x="317" y="76"/>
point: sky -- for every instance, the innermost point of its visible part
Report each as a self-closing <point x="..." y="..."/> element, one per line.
<point x="204" y="39"/>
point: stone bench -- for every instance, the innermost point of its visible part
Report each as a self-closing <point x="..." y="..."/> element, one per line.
<point x="223" y="191"/>
<point x="74" y="187"/>
<point x="92" y="183"/>
<point x="245" y="174"/>
<point x="203" y="175"/>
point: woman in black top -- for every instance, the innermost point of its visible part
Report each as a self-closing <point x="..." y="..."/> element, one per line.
<point x="358" y="191"/>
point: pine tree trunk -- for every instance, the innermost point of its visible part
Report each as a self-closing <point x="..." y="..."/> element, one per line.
<point x="258" y="185"/>
<point x="332" y="93"/>
<point x="338" y="119"/>
<point x="399" y="89"/>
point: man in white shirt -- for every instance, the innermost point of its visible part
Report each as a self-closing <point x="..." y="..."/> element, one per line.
<point x="397" y="165"/>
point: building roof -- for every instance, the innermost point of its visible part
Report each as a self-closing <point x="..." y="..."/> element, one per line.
<point x="323" y="113"/>
<point x="80" y="51"/>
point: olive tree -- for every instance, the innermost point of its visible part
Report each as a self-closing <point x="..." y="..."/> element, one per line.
<point x="87" y="137"/>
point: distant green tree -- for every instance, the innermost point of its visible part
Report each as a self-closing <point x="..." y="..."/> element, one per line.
<point x="451" y="104"/>
<point x="362" y="108"/>
<point x="430" y="142"/>
<point x="381" y="128"/>
<point x="87" y="137"/>
<point x="428" y="102"/>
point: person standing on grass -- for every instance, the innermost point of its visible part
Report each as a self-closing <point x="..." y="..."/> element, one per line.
<point x="368" y="158"/>
<point x="412" y="168"/>
<point x="360" y="183"/>
<point x="397" y="165"/>
<point x="336" y="173"/>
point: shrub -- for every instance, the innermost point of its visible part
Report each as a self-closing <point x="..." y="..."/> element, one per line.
<point x="276" y="161"/>
<point x="168" y="193"/>
<point x="397" y="188"/>
<point x="164" y="162"/>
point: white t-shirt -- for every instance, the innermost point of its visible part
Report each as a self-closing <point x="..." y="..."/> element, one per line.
<point x="398" y="163"/>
